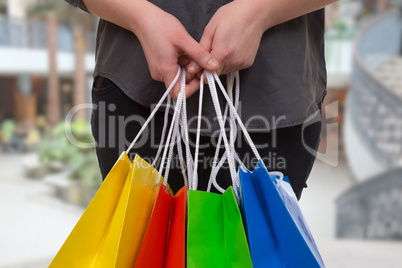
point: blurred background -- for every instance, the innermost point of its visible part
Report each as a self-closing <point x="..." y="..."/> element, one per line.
<point x="354" y="200"/>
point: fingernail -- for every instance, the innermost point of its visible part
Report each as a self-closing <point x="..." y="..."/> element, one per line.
<point x="213" y="64"/>
<point x="192" y="67"/>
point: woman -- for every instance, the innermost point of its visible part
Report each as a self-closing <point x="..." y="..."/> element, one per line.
<point x="278" y="47"/>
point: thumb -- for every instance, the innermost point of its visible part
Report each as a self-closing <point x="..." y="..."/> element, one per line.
<point x="206" y="43"/>
<point x="199" y="54"/>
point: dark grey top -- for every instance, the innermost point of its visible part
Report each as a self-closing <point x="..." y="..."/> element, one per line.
<point x="285" y="83"/>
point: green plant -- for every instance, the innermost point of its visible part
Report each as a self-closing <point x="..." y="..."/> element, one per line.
<point x="82" y="162"/>
<point x="7" y="129"/>
<point x="86" y="170"/>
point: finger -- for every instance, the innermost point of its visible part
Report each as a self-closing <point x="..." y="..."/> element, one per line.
<point x="193" y="67"/>
<point x="207" y="37"/>
<point x="206" y="42"/>
<point x="222" y="66"/>
<point x="189" y="77"/>
<point x="184" y="60"/>
<point x="199" y="54"/>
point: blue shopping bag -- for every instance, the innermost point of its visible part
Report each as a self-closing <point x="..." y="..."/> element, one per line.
<point x="277" y="232"/>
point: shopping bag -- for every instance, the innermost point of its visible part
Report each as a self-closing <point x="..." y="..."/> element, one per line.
<point x="277" y="232"/>
<point x="110" y="231"/>
<point x="215" y="232"/>
<point x="163" y="244"/>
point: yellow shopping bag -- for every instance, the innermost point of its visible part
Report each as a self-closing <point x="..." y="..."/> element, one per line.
<point x="110" y="232"/>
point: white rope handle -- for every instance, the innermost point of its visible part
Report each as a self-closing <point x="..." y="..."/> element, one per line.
<point x="232" y="123"/>
<point x="233" y="129"/>
<point x="239" y="121"/>
<point x="163" y="135"/>
<point x="154" y="111"/>
<point x="181" y="159"/>
<point x="185" y="137"/>
<point x="181" y="129"/>
<point x="198" y="133"/>
<point x="244" y="130"/>
<point x="168" y="140"/>
<point x="233" y="133"/>
<point x="216" y="165"/>
<point x="215" y="171"/>
<point x="174" y="130"/>
<point x="215" y="100"/>
<point x="277" y="173"/>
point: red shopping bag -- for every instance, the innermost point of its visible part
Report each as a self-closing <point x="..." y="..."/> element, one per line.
<point x="163" y="244"/>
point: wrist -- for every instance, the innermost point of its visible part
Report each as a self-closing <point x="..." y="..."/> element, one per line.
<point x="138" y="18"/>
<point x="258" y="12"/>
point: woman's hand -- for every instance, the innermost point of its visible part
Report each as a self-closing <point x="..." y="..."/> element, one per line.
<point x="233" y="36"/>
<point x="234" y="33"/>
<point x="163" y="38"/>
<point x="166" y="43"/>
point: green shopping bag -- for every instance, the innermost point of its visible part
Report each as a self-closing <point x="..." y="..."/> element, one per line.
<point x="215" y="232"/>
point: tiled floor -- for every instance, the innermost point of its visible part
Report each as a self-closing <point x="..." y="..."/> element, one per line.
<point x="33" y="224"/>
<point x="325" y="184"/>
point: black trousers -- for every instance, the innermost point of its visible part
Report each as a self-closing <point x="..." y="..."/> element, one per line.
<point x="116" y="120"/>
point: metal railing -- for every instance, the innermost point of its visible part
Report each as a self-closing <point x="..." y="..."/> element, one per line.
<point x="371" y="210"/>
<point x="29" y="34"/>
<point x="375" y="109"/>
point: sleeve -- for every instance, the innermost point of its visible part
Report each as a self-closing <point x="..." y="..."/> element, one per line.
<point x="78" y="3"/>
